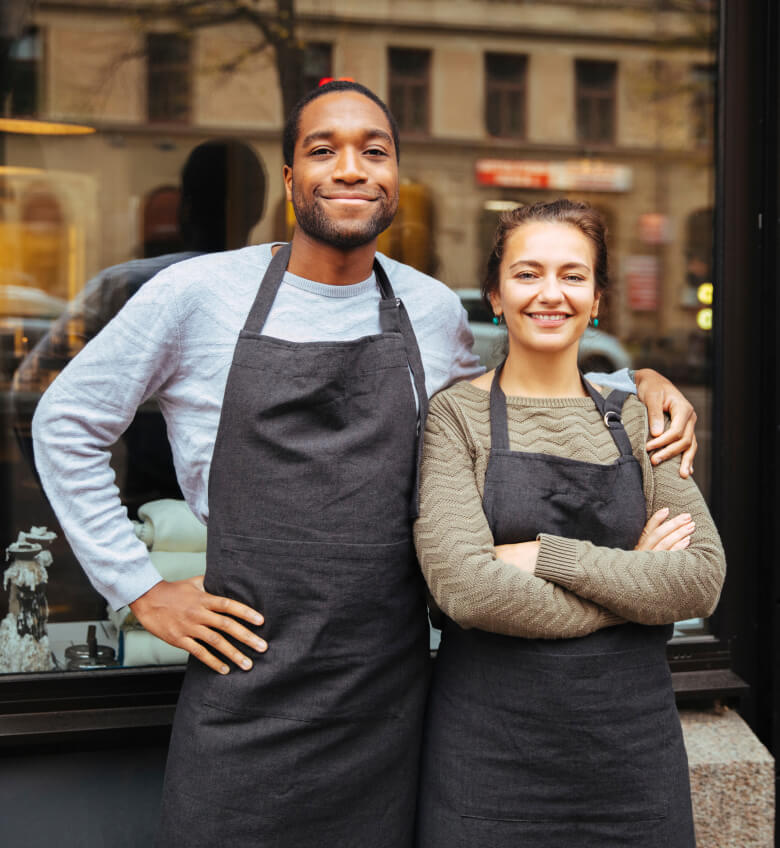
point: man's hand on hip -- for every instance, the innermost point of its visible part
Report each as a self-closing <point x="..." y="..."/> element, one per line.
<point x="185" y="615"/>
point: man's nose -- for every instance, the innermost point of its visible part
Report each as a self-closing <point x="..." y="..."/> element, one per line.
<point x="349" y="166"/>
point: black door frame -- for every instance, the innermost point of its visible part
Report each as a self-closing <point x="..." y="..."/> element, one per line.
<point x="745" y="416"/>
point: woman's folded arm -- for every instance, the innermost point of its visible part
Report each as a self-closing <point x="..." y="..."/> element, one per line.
<point x="456" y="551"/>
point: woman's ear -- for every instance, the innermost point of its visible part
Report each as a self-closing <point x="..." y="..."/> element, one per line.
<point x="495" y="301"/>
<point x="595" y="308"/>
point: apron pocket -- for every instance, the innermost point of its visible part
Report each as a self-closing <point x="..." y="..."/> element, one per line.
<point x="556" y="744"/>
<point x="345" y="626"/>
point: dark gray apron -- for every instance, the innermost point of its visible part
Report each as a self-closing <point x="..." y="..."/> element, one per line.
<point x="542" y="743"/>
<point x="313" y="474"/>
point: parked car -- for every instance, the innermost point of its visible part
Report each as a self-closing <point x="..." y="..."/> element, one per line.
<point x="599" y="351"/>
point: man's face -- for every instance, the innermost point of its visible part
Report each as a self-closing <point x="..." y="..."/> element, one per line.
<point x="343" y="183"/>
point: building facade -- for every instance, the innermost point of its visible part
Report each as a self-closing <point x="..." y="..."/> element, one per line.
<point x="661" y="113"/>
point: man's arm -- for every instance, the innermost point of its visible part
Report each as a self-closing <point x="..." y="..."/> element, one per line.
<point x="659" y="395"/>
<point x="83" y="413"/>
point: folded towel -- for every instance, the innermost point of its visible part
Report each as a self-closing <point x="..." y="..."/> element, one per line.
<point x="176" y="565"/>
<point x="173" y="527"/>
<point x="139" y="647"/>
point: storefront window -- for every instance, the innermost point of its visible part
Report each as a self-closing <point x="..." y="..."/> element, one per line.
<point x="499" y="103"/>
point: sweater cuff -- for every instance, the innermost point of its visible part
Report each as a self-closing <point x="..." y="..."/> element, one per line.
<point x="131" y="586"/>
<point x="557" y="560"/>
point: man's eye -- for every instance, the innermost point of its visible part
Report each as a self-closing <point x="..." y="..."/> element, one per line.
<point x="320" y="151"/>
<point x="376" y="151"/>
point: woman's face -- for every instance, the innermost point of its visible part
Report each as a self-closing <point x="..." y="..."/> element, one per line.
<point x="547" y="288"/>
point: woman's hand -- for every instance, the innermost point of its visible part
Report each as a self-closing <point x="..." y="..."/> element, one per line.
<point x="185" y="615"/>
<point x="662" y="533"/>
<point x="522" y="555"/>
<point x="659" y="396"/>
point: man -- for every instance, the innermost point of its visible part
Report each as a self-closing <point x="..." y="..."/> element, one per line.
<point x="312" y="588"/>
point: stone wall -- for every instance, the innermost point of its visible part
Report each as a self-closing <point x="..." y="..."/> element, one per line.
<point x="732" y="781"/>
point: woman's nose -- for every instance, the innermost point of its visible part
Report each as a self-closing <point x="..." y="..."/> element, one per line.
<point x="551" y="289"/>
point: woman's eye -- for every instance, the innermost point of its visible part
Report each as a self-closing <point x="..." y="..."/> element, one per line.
<point x="574" y="278"/>
<point x="525" y="275"/>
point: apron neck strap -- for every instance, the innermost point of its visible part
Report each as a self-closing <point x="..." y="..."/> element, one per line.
<point x="272" y="280"/>
<point x="610" y="409"/>
<point x="394" y="318"/>
<point x="266" y="293"/>
<point x="499" y="428"/>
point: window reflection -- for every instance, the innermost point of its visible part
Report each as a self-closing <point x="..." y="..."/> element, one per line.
<point x="595" y="94"/>
<point x="24" y="71"/>
<point x="317" y="64"/>
<point x="505" y="109"/>
<point x="409" y="72"/>
<point x="167" y="77"/>
<point x="499" y="103"/>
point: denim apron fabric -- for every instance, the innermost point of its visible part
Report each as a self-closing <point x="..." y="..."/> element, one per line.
<point x="544" y="743"/>
<point x="313" y="473"/>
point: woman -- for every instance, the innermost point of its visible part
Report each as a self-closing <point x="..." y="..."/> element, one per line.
<point x="551" y="719"/>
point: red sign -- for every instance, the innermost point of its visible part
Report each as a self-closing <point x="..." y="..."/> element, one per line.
<point x="571" y="175"/>
<point x="641" y="274"/>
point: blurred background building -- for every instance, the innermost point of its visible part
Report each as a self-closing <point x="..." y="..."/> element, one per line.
<point x="661" y="113"/>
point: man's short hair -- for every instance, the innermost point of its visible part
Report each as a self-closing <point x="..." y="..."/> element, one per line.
<point x="291" y="128"/>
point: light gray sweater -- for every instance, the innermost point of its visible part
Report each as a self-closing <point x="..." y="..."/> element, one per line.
<point x="175" y="340"/>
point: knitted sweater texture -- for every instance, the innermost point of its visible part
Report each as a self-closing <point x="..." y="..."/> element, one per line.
<point x="577" y="587"/>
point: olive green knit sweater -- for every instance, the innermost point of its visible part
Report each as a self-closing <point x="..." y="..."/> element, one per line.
<point x="577" y="587"/>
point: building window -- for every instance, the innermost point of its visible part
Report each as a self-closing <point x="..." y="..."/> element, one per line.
<point x="410" y="88"/>
<point x="168" y="80"/>
<point x="317" y="64"/>
<point x="703" y="105"/>
<point x="24" y="71"/>
<point x="595" y="101"/>
<point x="505" y="94"/>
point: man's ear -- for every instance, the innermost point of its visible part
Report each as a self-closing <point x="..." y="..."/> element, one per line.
<point x="287" y="177"/>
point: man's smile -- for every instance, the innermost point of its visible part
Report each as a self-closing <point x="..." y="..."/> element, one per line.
<point x="349" y="197"/>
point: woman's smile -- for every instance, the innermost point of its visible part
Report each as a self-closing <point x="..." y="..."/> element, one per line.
<point x="550" y="318"/>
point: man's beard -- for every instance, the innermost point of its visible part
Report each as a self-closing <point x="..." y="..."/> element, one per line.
<point x="343" y="234"/>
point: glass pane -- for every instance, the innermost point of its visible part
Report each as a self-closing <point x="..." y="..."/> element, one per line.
<point x="86" y="220"/>
<point x="168" y="87"/>
<point x="24" y="59"/>
<point x="505" y="66"/>
<point x="317" y="63"/>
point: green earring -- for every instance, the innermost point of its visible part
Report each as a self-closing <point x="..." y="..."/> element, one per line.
<point x="595" y="322"/>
